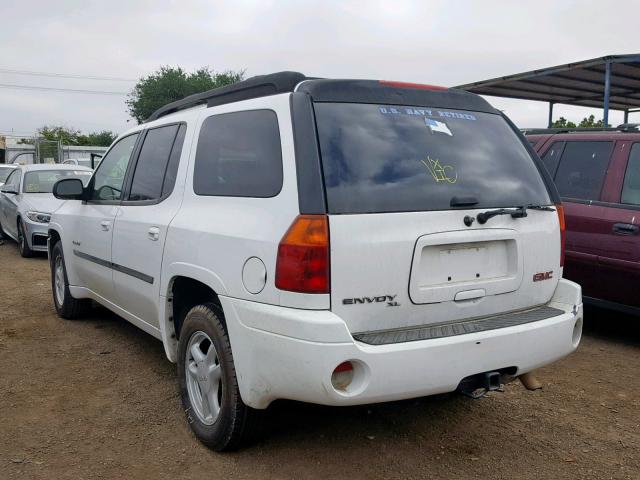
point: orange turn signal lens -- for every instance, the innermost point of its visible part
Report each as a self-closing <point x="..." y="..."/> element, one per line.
<point x="303" y="256"/>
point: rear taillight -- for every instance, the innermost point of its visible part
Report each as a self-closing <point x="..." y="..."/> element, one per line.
<point x="560" y="210"/>
<point x="421" y="86"/>
<point x="303" y="256"/>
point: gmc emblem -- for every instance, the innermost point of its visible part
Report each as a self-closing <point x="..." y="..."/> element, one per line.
<point x="538" y="277"/>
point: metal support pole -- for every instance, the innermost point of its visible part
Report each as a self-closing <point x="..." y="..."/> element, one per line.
<point x="607" y="92"/>
<point x="550" y="122"/>
<point x="626" y="116"/>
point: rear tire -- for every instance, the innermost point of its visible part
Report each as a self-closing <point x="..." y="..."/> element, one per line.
<point x="208" y="384"/>
<point x="23" y="244"/>
<point x="66" y="306"/>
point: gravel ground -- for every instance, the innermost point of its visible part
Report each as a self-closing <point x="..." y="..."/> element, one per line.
<point x="97" y="399"/>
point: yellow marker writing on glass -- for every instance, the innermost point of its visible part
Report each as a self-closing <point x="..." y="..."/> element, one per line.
<point x="440" y="173"/>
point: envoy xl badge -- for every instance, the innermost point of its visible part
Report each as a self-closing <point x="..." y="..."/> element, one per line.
<point x="388" y="299"/>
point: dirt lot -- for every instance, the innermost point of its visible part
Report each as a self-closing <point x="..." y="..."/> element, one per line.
<point x="97" y="399"/>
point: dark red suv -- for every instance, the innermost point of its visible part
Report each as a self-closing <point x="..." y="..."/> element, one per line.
<point x="598" y="176"/>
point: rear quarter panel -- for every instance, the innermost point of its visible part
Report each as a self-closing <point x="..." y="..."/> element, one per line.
<point x="214" y="236"/>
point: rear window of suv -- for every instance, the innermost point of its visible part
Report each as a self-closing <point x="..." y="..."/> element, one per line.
<point x="381" y="158"/>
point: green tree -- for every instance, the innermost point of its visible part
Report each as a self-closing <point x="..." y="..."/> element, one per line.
<point x="98" y="139"/>
<point x="169" y="84"/>
<point x="590" y="122"/>
<point x="587" y="122"/>
<point x="71" y="136"/>
<point x="563" y="123"/>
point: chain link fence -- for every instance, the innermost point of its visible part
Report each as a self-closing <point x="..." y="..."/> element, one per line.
<point x="48" y="151"/>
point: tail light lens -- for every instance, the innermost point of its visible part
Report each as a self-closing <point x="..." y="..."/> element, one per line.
<point x="303" y="256"/>
<point x="560" y="210"/>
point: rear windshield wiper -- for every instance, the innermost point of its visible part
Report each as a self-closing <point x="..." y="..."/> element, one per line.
<point x="518" y="212"/>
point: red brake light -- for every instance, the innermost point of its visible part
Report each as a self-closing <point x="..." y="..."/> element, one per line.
<point x="560" y="211"/>
<point x="422" y="86"/>
<point x="303" y="256"/>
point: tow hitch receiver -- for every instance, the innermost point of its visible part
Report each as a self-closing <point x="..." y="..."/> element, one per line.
<point x="477" y="386"/>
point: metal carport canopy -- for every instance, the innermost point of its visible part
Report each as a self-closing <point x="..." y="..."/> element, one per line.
<point x="611" y="82"/>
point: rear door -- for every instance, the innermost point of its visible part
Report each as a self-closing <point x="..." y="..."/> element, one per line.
<point x="142" y="220"/>
<point x="400" y="182"/>
<point x="579" y="176"/>
<point x="620" y="260"/>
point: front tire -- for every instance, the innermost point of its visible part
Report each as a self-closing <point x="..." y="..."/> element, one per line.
<point x="23" y="244"/>
<point x="208" y="383"/>
<point x="66" y="306"/>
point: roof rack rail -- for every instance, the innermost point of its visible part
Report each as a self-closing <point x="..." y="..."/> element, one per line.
<point x="624" y="127"/>
<point x="254" y="87"/>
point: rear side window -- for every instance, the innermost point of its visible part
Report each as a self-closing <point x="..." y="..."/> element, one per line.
<point x="152" y="163"/>
<point x="551" y="158"/>
<point x="582" y="169"/>
<point x="239" y="155"/>
<point x="381" y="158"/>
<point x="631" y="185"/>
<point x="174" y="160"/>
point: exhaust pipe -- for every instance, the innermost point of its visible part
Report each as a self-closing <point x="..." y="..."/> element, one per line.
<point x="529" y="381"/>
<point x="477" y="386"/>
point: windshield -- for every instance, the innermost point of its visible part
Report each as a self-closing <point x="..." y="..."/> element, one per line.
<point x="42" y="181"/>
<point x="382" y="158"/>
<point x="4" y="173"/>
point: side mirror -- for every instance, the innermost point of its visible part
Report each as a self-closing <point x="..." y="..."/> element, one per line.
<point x="8" y="189"/>
<point x="68" y="189"/>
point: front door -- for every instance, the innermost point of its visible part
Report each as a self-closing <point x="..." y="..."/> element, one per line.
<point x="93" y="220"/>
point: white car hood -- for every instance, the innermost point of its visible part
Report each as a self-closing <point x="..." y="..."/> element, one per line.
<point x="41" y="202"/>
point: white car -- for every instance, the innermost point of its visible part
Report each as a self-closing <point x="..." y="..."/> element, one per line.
<point x="338" y="242"/>
<point x="85" y="162"/>
<point x="5" y="171"/>
<point x="26" y="203"/>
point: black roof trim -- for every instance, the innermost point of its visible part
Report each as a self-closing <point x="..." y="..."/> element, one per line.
<point x="254" y="87"/>
<point x="374" y="91"/>
<point x="328" y="90"/>
<point x="624" y="127"/>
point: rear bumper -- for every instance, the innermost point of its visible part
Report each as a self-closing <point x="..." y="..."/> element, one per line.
<point x="290" y="354"/>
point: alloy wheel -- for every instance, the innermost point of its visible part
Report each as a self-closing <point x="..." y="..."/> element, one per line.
<point x="21" y="238"/>
<point x="58" y="280"/>
<point x="203" y="374"/>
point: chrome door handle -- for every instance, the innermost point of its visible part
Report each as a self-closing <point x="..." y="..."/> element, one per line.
<point x="153" y="233"/>
<point x="105" y="225"/>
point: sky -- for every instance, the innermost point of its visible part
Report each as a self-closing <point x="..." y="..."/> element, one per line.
<point x="437" y="42"/>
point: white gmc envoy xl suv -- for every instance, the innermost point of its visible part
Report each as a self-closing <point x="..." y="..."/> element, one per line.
<point x="338" y="242"/>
